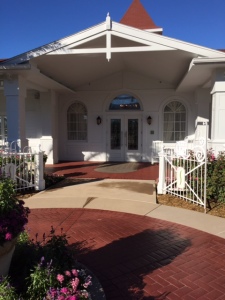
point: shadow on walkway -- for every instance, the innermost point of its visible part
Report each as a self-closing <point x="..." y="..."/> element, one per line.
<point x="124" y="266"/>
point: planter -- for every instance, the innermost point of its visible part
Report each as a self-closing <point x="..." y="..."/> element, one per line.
<point x="6" y="253"/>
<point x="96" y="290"/>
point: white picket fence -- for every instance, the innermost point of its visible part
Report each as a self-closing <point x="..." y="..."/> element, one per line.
<point x="25" y="168"/>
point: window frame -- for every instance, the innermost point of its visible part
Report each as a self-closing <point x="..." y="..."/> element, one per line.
<point x="178" y="132"/>
<point x="76" y="120"/>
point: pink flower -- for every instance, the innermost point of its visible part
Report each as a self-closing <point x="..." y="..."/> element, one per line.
<point x="75" y="283"/>
<point x="74" y="272"/>
<point x="67" y="273"/>
<point x="64" y="290"/>
<point x="8" y="236"/>
<point x="60" y="278"/>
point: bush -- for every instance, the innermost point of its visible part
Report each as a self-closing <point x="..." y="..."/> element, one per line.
<point x="216" y="178"/>
<point x="13" y="214"/>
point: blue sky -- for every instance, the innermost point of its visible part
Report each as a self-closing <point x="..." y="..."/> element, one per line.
<point x="27" y="24"/>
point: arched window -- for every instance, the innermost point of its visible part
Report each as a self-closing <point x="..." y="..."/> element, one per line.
<point x="77" y="122"/>
<point x="124" y="102"/>
<point x="174" y="125"/>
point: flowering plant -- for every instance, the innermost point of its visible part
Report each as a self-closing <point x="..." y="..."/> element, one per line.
<point x="13" y="214"/>
<point x="50" y="272"/>
<point x="72" y="286"/>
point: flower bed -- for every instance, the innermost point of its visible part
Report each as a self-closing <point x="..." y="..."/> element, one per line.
<point x="40" y="270"/>
<point x="49" y="272"/>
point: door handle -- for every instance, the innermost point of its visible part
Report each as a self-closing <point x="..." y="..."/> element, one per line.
<point x="125" y="135"/>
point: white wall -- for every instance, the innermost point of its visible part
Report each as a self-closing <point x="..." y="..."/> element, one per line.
<point x="46" y="119"/>
<point x="97" y="96"/>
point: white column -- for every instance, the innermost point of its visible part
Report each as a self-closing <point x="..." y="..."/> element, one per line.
<point x="54" y="125"/>
<point x="218" y="115"/>
<point x="15" y="93"/>
<point x="162" y="180"/>
<point x="39" y="172"/>
<point x="49" y="139"/>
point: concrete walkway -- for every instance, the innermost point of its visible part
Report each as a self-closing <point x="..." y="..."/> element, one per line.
<point x="124" y="195"/>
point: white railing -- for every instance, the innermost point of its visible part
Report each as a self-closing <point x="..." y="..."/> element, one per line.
<point x="184" y="176"/>
<point x="157" y="147"/>
<point x="183" y="170"/>
<point x="25" y="168"/>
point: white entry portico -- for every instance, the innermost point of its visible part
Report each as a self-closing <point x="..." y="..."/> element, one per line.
<point x="52" y="96"/>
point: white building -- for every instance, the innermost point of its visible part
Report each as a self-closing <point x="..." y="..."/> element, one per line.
<point x="92" y="95"/>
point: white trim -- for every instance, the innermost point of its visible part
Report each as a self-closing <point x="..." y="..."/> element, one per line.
<point x="166" y="41"/>
<point x="117" y="28"/>
<point x="108" y="50"/>
<point x="137" y="39"/>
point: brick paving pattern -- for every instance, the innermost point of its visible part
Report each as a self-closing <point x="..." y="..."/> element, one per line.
<point x="138" y="257"/>
<point x="86" y="169"/>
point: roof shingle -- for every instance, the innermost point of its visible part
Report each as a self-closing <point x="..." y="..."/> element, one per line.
<point x="136" y="16"/>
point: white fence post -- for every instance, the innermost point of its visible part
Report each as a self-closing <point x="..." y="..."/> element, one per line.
<point x="39" y="172"/>
<point x="161" y="183"/>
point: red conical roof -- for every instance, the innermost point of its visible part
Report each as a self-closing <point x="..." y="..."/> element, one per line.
<point x="136" y="16"/>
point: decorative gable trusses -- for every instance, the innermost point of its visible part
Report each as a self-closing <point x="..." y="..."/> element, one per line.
<point x="111" y="37"/>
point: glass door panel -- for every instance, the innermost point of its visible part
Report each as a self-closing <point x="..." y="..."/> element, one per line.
<point x="115" y="130"/>
<point x="124" y="138"/>
<point x="132" y="134"/>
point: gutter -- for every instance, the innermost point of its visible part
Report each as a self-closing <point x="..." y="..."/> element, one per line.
<point x="206" y="61"/>
<point x="15" y="67"/>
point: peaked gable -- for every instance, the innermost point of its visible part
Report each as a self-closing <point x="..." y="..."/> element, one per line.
<point x="136" y="16"/>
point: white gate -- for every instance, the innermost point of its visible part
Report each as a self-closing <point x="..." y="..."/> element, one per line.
<point x="183" y="171"/>
<point x="25" y="169"/>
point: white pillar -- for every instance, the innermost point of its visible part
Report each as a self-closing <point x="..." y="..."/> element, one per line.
<point x="15" y="93"/>
<point x="162" y="182"/>
<point x="39" y="171"/>
<point x="49" y="139"/>
<point x="218" y="115"/>
<point x="54" y="126"/>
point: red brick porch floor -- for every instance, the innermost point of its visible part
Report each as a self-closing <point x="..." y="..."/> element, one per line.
<point x="138" y="257"/>
<point x="145" y="171"/>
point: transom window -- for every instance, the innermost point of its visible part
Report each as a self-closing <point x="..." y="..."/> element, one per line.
<point x="77" y="122"/>
<point x="174" y="125"/>
<point x="125" y="102"/>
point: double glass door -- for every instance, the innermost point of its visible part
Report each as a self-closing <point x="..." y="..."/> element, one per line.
<point x="124" y="138"/>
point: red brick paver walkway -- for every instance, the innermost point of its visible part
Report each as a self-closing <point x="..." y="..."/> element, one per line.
<point x="87" y="169"/>
<point x="137" y="257"/>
